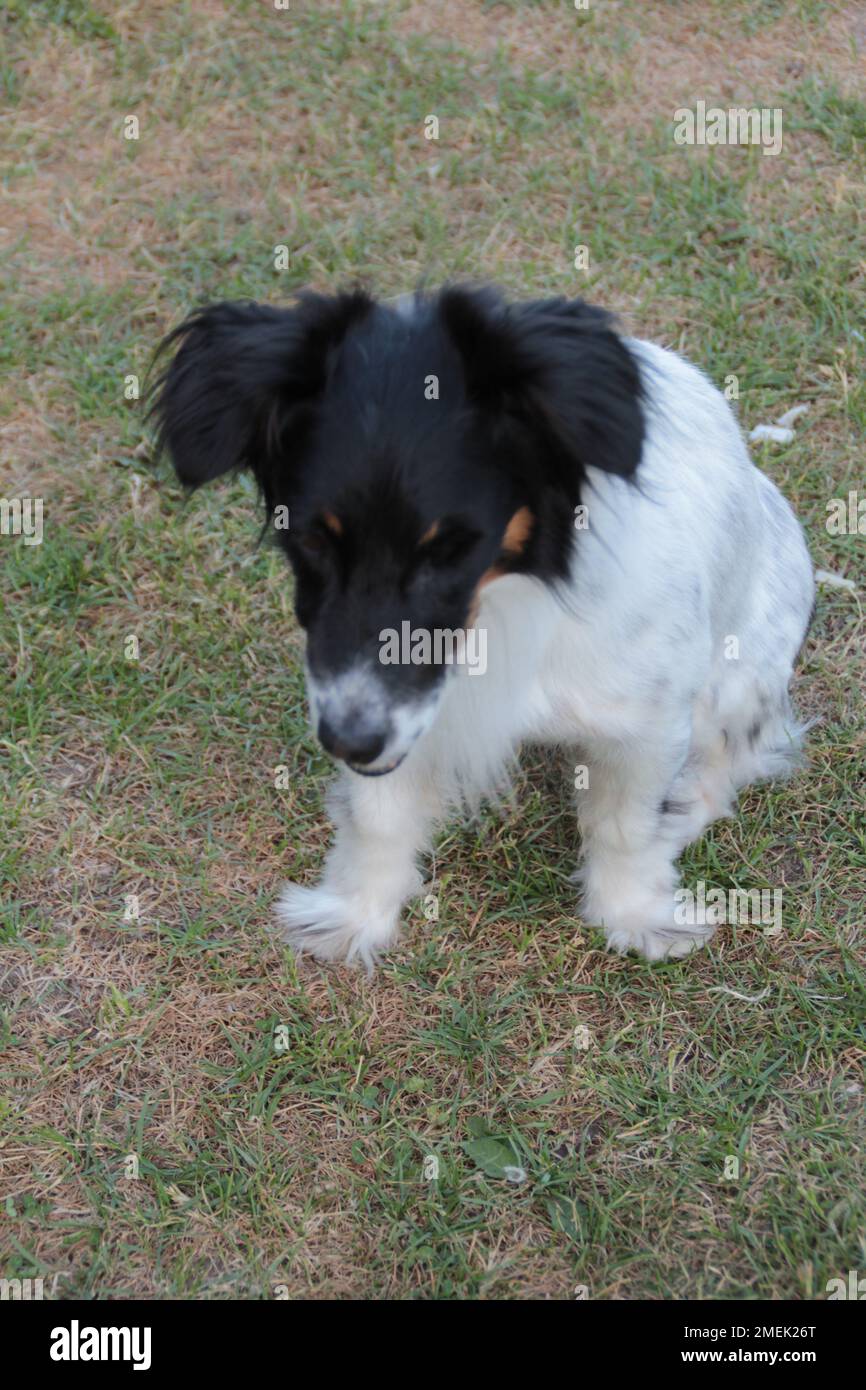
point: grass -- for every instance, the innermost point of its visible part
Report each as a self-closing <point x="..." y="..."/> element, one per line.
<point x="186" y="1111"/>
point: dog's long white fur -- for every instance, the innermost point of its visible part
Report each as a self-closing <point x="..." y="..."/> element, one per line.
<point x="664" y="665"/>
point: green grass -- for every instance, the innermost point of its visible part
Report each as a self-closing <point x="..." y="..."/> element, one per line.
<point x="153" y="1039"/>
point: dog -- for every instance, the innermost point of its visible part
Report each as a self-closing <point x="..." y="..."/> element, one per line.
<point x="454" y="463"/>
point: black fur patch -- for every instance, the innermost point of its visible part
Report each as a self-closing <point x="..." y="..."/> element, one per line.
<point x="399" y="494"/>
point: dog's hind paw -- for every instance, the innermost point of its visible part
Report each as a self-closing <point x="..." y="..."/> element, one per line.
<point x="332" y="926"/>
<point x="658" y="943"/>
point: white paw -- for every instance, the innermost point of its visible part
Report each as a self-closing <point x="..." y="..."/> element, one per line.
<point x="657" y="942"/>
<point x="333" y="926"/>
<point x="635" y="901"/>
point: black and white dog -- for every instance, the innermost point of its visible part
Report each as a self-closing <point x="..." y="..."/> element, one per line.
<point x="452" y="463"/>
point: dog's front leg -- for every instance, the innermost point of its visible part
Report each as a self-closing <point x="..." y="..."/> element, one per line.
<point x="382" y="825"/>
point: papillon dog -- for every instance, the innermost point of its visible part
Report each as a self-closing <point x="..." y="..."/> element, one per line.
<point x="451" y="465"/>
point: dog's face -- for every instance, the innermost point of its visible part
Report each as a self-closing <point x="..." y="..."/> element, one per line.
<point x="408" y="455"/>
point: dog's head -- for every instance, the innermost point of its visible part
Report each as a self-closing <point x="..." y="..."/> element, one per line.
<point x="408" y="454"/>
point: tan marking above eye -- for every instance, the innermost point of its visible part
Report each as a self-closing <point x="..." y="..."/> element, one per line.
<point x="429" y="534"/>
<point x="333" y="523"/>
<point x="517" y="532"/>
<point x="495" y="572"/>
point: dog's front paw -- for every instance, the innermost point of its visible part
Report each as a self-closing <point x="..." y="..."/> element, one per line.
<point x="333" y="926"/>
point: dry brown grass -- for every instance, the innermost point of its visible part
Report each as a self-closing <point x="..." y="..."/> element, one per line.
<point x="108" y="1025"/>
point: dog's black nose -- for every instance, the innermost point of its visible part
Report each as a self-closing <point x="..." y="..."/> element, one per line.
<point x="353" y="742"/>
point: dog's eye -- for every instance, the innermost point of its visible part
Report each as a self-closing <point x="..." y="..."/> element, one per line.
<point x="451" y="542"/>
<point x="323" y="533"/>
<point x="313" y="542"/>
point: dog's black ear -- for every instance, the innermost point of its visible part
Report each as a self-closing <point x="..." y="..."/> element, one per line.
<point x="559" y="366"/>
<point x="239" y="373"/>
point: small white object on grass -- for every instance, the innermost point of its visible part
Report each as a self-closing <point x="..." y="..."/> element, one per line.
<point x="513" y="1173"/>
<point x="773" y="432"/>
<point x="780" y="432"/>
<point x="735" y="994"/>
<point x="836" y="581"/>
<point x="791" y="415"/>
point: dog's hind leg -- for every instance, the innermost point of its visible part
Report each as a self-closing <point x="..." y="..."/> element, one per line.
<point x="632" y="833"/>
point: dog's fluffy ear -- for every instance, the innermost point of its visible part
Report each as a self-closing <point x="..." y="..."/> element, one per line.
<point x="559" y="366"/>
<point x="239" y="374"/>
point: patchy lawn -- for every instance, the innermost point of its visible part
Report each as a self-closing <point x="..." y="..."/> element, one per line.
<point x="185" y="1110"/>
